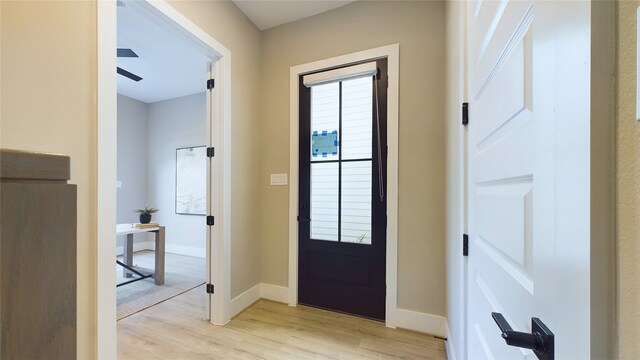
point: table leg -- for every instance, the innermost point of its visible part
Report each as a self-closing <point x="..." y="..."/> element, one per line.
<point x="159" y="271"/>
<point x="128" y="255"/>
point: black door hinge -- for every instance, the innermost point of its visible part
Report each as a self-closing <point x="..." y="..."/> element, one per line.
<point x="465" y="113"/>
<point x="465" y="245"/>
<point x="211" y="83"/>
<point x="210" y="220"/>
<point x="211" y="152"/>
<point x="209" y="288"/>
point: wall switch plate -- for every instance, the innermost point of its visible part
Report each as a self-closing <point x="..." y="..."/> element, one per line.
<point x="278" y="179"/>
<point x="118" y="184"/>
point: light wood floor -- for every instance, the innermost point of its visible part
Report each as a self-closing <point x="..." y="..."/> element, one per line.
<point x="175" y="329"/>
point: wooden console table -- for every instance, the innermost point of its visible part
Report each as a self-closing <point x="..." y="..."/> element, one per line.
<point x="158" y="272"/>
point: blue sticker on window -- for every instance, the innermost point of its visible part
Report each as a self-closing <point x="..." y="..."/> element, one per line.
<point x="324" y="143"/>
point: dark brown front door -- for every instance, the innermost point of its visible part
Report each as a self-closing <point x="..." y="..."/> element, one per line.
<point x="342" y="206"/>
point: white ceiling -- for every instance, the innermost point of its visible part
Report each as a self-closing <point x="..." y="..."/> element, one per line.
<point x="170" y="67"/>
<point x="266" y="14"/>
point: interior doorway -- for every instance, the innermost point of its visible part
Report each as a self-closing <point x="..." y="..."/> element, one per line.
<point x="217" y="305"/>
<point x="162" y="163"/>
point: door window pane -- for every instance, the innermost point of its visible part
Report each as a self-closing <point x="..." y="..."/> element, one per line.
<point x="325" y="121"/>
<point x="356" y="202"/>
<point x="357" y="102"/>
<point x="324" y="201"/>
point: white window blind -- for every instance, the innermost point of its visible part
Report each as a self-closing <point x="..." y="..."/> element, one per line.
<point x="345" y="73"/>
<point x="341" y="192"/>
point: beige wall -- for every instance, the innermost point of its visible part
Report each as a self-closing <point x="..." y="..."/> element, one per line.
<point x="419" y="27"/>
<point x="48" y="84"/>
<point x="628" y="186"/>
<point x="228" y="25"/>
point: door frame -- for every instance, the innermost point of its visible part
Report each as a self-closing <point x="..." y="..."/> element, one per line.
<point x="220" y="136"/>
<point x="456" y="181"/>
<point x="391" y="52"/>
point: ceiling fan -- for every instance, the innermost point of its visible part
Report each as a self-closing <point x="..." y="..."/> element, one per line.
<point x="123" y="72"/>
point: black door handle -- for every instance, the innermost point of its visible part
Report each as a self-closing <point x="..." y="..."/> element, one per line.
<point x="304" y="219"/>
<point x="540" y="340"/>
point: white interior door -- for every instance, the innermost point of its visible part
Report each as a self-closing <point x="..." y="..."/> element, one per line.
<point x="528" y="163"/>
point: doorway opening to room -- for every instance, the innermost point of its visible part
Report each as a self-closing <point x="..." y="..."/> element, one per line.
<point x="163" y="164"/>
<point x="342" y="189"/>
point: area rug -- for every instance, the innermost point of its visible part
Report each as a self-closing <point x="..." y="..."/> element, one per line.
<point x="137" y="296"/>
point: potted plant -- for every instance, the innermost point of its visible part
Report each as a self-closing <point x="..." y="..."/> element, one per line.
<point x="145" y="214"/>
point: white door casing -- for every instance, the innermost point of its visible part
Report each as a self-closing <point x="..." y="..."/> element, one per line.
<point x="528" y="167"/>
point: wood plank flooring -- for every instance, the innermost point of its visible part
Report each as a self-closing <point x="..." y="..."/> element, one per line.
<point x="175" y="329"/>
<point x="182" y="273"/>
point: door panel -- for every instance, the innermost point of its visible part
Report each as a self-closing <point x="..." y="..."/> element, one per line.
<point x="343" y="269"/>
<point x="342" y="206"/>
<point x="501" y="176"/>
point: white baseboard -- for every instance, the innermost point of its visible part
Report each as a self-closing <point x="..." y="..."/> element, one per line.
<point x="275" y="293"/>
<point x="421" y="322"/>
<point x="448" y="345"/>
<point x="137" y="246"/>
<point x="259" y="291"/>
<point x="406" y="319"/>
<point x="185" y="250"/>
<point x="244" y="300"/>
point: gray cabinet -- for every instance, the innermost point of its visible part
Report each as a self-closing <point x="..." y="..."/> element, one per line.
<point x="37" y="257"/>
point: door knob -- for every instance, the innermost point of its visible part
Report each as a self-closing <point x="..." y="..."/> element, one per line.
<point x="540" y="340"/>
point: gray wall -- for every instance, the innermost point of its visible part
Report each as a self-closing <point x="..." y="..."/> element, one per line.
<point x="148" y="136"/>
<point x="132" y="161"/>
<point x="173" y="124"/>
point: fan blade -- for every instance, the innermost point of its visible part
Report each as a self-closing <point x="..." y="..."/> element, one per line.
<point x="126" y="53"/>
<point x="131" y="76"/>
